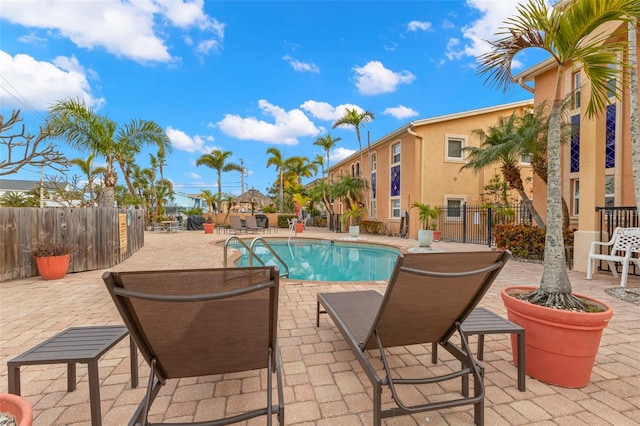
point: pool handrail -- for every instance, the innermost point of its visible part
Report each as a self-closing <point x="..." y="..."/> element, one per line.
<point x="252" y="254"/>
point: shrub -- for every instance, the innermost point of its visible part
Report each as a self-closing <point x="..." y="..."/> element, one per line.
<point x="372" y="227"/>
<point x="525" y="241"/>
<point x="283" y="220"/>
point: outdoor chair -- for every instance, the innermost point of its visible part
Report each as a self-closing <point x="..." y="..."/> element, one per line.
<point x="174" y="226"/>
<point x="252" y="225"/>
<point x="428" y="297"/>
<point x="236" y="225"/>
<point x="202" y="322"/>
<point x="157" y="227"/>
<point x="625" y="246"/>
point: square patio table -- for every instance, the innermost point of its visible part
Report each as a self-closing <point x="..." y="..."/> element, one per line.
<point x="73" y="345"/>
<point x="482" y="321"/>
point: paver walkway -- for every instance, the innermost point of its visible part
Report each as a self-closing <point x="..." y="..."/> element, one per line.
<point x="323" y="383"/>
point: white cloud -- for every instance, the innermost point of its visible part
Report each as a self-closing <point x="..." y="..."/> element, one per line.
<point x="494" y="13"/>
<point x="418" y="25"/>
<point x="301" y="66"/>
<point x="132" y="29"/>
<point x="29" y="83"/>
<point x="326" y="111"/>
<point x="183" y="142"/>
<point x="287" y="127"/>
<point x="192" y="175"/>
<point x="374" y="78"/>
<point x="400" y="112"/>
<point x="340" y="154"/>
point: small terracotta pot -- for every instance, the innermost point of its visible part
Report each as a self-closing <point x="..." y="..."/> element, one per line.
<point x="561" y="346"/>
<point x="209" y="227"/>
<point x="299" y="228"/>
<point x="53" y="267"/>
<point x="18" y="407"/>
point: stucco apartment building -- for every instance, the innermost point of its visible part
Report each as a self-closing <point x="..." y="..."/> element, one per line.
<point x="596" y="164"/>
<point x="421" y="162"/>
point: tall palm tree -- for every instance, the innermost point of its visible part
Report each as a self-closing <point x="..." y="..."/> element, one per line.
<point x="280" y="163"/>
<point x="326" y="143"/>
<point x="319" y="161"/>
<point x="299" y="167"/>
<point x="217" y="161"/>
<point x="87" y="131"/>
<point x="570" y="36"/>
<point x="503" y="143"/>
<point x="354" y="117"/>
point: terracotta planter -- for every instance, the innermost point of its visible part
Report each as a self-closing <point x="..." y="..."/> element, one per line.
<point x="18" y="407"/>
<point x="209" y="227"/>
<point x="299" y="228"/>
<point x="561" y="346"/>
<point x="53" y="267"/>
<point x="436" y="235"/>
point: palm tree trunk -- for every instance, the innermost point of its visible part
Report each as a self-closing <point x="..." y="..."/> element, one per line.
<point x="633" y="106"/>
<point x="532" y="210"/>
<point x="555" y="278"/>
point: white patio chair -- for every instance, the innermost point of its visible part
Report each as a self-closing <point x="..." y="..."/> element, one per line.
<point x="625" y="245"/>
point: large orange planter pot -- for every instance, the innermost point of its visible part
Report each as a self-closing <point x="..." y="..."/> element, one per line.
<point x="18" y="407"/>
<point x="561" y="346"/>
<point x="53" y="267"/>
<point x="299" y="228"/>
<point x="209" y="227"/>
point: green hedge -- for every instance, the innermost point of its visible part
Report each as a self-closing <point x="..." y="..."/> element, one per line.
<point x="525" y="241"/>
<point x="372" y="227"/>
<point x="283" y="220"/>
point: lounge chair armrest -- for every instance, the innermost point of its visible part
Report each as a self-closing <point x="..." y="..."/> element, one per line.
<point x="594" y="244"/>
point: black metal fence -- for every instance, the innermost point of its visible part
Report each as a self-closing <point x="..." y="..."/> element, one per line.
<point x="474" y="224"/>
<point x="611" y="218"/>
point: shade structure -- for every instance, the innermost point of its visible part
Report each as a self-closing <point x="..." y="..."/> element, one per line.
<point x="253" y="197"/>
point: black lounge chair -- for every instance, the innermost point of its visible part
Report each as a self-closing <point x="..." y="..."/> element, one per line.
<point x="428" y="297"/>
<point x="201" y="322"/>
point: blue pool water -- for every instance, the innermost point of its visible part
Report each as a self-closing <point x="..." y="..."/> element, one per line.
<point x="328" y="260"/>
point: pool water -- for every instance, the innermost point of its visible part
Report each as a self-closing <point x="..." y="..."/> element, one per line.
<point x="327" y="260"/>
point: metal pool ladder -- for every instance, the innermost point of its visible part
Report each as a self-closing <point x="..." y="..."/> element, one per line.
<point x="252" y="253"/>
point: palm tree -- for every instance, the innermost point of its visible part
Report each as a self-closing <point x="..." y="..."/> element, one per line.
<point x="90" y="132"/>
<point x="86" y="166"/>
<point x="502" y="143"/>
<point x="569" y="35"/>
<point x="328" y="142"/>
<point x="209" y="198"/>
<point x="217" y="160"/>
<point x="299" y="167"/>
<point x="280" y="163"/>
<point x="354" y="117"/>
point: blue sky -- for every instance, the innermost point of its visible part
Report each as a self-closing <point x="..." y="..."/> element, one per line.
<point x="243" y="76"/>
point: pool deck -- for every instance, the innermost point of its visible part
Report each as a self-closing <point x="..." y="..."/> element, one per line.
<point x="324" y="385"/>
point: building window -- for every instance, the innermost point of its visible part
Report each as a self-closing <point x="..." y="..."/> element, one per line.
<point x="374" y="209"/>
<point x="374" y="179"/>
<point x="575" y="87"/>
<point x="454" y="208"/>
<point x="611" y="86"/>
<point x="374" y="162"/>
<point x="526" y="158"/>
<point x="610" y="141"/>
<point x="395" y="153"/>
<point x="395" y="207"/>
<point x="575" y="143"/>
<point x="575" y="210"/>
<point x="395" y="181"/>
<point x="609" y="191"/>
<point x="455" y="147"/>
<point x="357" y="169"/>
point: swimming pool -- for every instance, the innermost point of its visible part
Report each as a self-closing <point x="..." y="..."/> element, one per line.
<point x="322" y="260"/>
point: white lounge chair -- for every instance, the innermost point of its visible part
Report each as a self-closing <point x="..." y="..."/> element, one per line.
<point x="625" y="244"/>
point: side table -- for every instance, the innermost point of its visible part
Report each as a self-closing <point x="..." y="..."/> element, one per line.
<point x="71" y="346"/>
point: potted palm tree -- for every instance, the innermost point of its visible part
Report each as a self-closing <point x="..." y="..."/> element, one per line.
<point x="351" y="218"/>
<point x="52" y="258"/>
<point x="563" y="328"/>
<point x="426" y="213"/>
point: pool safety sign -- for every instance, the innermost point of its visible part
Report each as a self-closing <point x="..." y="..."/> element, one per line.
<point x="122" y="227"/>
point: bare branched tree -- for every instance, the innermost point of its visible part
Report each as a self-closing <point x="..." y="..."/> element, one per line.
<point x="24" y="149"/>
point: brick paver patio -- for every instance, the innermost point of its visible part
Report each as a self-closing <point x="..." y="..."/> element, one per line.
<point x="323" y="383"/>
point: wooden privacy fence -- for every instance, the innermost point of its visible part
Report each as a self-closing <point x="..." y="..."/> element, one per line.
<point x="104" y="236"/>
